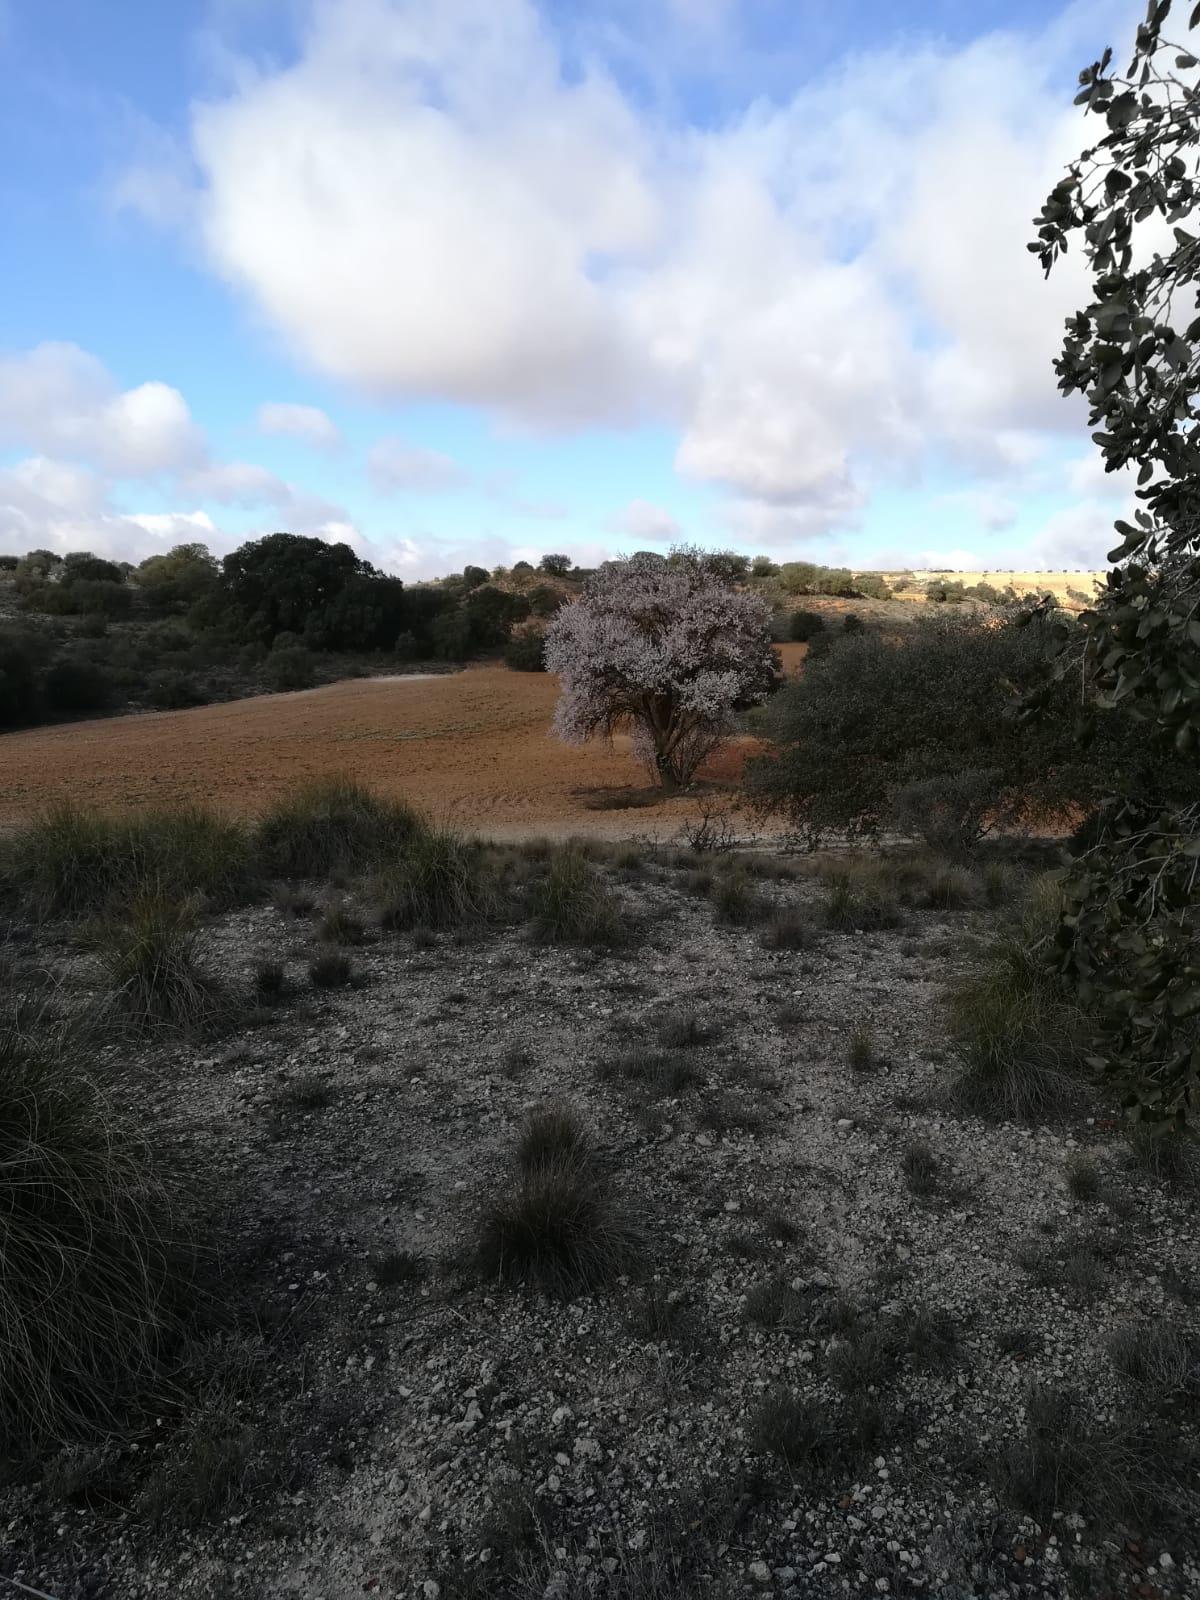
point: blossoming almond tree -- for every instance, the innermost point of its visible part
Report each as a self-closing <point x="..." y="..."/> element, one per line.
<point x="663" y="646"/>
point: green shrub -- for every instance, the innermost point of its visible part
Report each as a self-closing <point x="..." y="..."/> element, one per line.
<point x="74" y="863"/>
<point x="88" y="1298"/>
<point x="441" y="881"/>
<point x="333" y="825"/>
<point x="573" y="905"/>
<point x="20" y="660"/>
<point x="150" y="957"/>
<point x="525" y="650"/>
<point x="735" y="900"/>
<point x="72" y="684"/>
<point x="290" y="668"/>
<point x="270" y="983"/>
<point x="790" y="930"/>
<point x="858" y="901"/>
<point x="1020" y="1043"/>
<point x="332" y="970"/>
<point x="805" y="625"/>
<point x="172" y="690"/>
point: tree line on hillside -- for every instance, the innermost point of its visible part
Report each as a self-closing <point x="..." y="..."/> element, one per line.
<point x="86" y="634"/>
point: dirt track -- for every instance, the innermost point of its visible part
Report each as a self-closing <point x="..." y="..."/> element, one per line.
<point x="474" y="748"/>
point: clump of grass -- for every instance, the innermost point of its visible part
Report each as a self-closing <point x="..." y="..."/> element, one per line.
<point x="1157" y="1359"/>
<point x="735" y="900"/>
<point x="790" y="930"/>
<point x="798" y="1430"/>
<point x="931" y="1337"/>
<point x="270" y="983"/>
<point x="89" y="1291"/>
<point x="683" y="1030"/>
<point x="775" y="1304"/>
<point x="921" y="1168"/>
<point x="75" y="863"/>
<point x="397" y="1267"/>
<point x="339" y="926"/>
<point x="572" y="904"/>
<point x="440" y="882"/>
<point x="308" y="1091"/>
<point x="1063" y="1461"/>
<point x="556" y="1222"/>
<point x="1167" y="1157"/>
<point x="150" y="957"/>
<point x="658" y="1074"/>
<point x="333" y="825"/>
<point x="860" y="1053"/>
<point x="729" y="1113"/>
<point x="861" y="901"/>
<point x="1020" y="1043"/>
<point x="865" y="1359"/>
<point x="949" y="888"/>
<point x="331" y="970"/>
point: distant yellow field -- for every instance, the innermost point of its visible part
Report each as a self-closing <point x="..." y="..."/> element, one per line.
<point x="1059" y="583"/>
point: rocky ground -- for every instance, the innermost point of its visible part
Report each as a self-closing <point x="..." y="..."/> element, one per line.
<point x="815" y="1379"/>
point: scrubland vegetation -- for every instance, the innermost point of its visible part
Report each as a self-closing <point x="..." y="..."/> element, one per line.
<point x="585" y="1218"/>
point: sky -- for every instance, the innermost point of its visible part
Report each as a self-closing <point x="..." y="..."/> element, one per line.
<point x="473" y="280"/>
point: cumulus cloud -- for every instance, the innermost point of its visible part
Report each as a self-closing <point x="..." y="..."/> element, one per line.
<point x="395" y="465"/>
<point x="308" y="423"/>
<point x="821" y="288"/>
<point x="60" y="400"/>
<point x="642" y="520"/>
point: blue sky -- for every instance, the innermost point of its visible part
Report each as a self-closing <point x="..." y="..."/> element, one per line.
<point x="475" y="279"/>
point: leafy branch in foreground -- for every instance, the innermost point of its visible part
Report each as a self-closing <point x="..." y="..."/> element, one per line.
<point x="1129" y="938"/>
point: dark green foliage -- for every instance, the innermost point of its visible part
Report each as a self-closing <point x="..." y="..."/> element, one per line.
<point x="322" y="592"/>
<point x="88" y="1296"/>
<point x="860" y="1053"/>
<point x="884" y="711"/>
<point x="805" y="625"/>
<point x="790" y="930"/>
<point x="72" y="684"/>
<point x="172" y="690"/>
<point x="490" y="613"/>
<point x="1130" y="937"/>
<point x="333" y="825"/>
<point x="555" y="1222"/>
<point x="554" y="566"/>
<point x="292" y="667"/>
<point x="339" y="926"/>
<point x="525" y="650"/>
<point x="20" y="661"/>
<point x="74" y="863"/>
<point x="853" y="623"/>
<point x="872" y="586"/>
<point x="572" y="904"/>
<point x="184" y="577"/>
<point x="735" y="900"/>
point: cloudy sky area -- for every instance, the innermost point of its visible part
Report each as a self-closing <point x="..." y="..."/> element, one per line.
<point x="476" y="279"/>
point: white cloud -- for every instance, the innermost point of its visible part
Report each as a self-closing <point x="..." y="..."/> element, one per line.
<point x="395" y="464"/>
<point x="642" y="520"/>
<point x="427" y="204"/>
<point x="60" y="400"/>
<point x="308" y="423"/>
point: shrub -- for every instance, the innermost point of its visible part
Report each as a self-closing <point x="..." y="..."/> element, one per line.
<point x="853" y="623"/>
<point x="289" y="668"/>
<point x="525" y="650"/>
<point x="19" y="662"/>
<point x="441" y="881"/>
<point x="88" y="1297"/>
<point x="75" y="685"/>
<point x="555" y="1222"/>
<point x="856" y="901"/>
<point x="790" y="930"/>
<point x="1020" y="1043"/>
<point x="735" y="900"/>
<point x="331" y="971"/>
<point x="805" y="625"/>
<point x="573" y="905"/>
<point x="172" y="690"/>
<point x="150" y="957"/>
<point x="860" y="1053"/>
<point x="949" y="812"/>
<point x="270" y="983"/>
<point x="74" y="863"/>
<point x="333" y="825"/>
<point x="339" y="926"/>
<point x="797" y="1429"/>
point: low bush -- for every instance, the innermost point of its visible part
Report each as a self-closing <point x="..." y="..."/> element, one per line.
<point x="805" y="625"/>
<point x="1020" y="1043"/>
<point x="735" y="900"/>
<point x="89" y="1291"/>
<point x="331" y="971"/>
<point x="525" y="650"/>
<point x="72" y="684"/>
<point x="172" y="690"/>
<point x="790" y="930"/>
<point x="74" y="863"/>
<point x="289" y="668"/>
<point x="440" y="881"/>
<point x="572" y="904"/>
<point x="150" y="955"/>
<point x="333" y="825"/>
<point x="556" y="1222"/>
<point x="270" y="983"/>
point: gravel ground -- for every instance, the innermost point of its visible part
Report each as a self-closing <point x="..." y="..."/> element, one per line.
<point x="812" y="1229"/>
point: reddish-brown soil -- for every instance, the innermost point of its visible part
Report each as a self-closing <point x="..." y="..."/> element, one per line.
<point x="473" y="748"/>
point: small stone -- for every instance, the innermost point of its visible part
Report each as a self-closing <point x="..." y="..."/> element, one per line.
<point x="760" y="1571"/>
<point x="431" y="1589"/>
